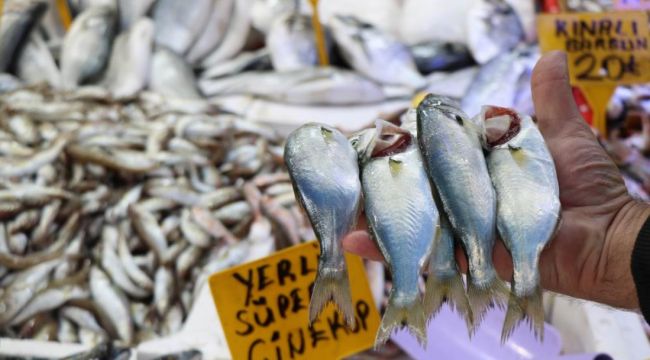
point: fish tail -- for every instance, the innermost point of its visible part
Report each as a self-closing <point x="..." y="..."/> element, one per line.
<point x="449" y="289"/>
<point x="332" y="285"/>
<point x="402" y="313"/>
<point x="529" y="308"/>
<point x="484" y="296"/>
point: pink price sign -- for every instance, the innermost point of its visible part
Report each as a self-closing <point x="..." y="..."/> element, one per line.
<point x="632" y="4"/>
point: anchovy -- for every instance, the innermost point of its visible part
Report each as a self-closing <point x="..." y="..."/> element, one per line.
<point x="325" y="175"/>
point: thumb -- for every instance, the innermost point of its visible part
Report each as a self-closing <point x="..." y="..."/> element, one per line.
<point x="556" y="110"/>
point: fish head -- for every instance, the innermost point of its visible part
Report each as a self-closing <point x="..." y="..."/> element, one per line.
<point x="441" y="112"/>
<point x="101" y="20"/>
<point x="351" y="36"/>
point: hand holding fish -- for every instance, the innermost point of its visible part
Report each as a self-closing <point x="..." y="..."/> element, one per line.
<point x="590" y="255"/>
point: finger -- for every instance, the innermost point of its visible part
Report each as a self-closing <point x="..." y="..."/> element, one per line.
<point x="555" y="108"/>
<point x="359" y="243"/>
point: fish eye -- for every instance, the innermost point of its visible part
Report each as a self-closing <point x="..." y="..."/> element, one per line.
<point x="459" y="119"/>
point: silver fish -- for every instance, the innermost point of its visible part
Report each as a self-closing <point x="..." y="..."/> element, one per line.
<point x="35" y="63"/>
<point x="444" y="281"/>
<point x="500" y="81"/>
<point x="18" y="19"/>
<point x="291" y="43"/>
<point x="81" y="317"/>
<point x="528" y="207"/>
<point x="494" y="28"/>
<point x="257" y="60"/>
<point x="147" y="227"/>
<point x="265" y="12"/>
<point x="179" y="23"/>
<point x="171" y="76"/>
<point x="50" y="299"/>
<point x="322" y="85"/>
<point x="87" y="45"/>
<point x="402" y="217"/>
<point x="163" y="289"/>
<point x="324" y="171"/>
<point x="235" y="38"/>
<point x="112" y="302"/>
<point x="214" y="31"/>
<point x="374" y="53"/>
<point x="453" y="156"/>
<point x="129" y="64"/>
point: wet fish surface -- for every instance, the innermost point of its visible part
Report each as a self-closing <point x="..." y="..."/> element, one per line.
<point x="325" y="175"/>
<point x="528" y="210"/>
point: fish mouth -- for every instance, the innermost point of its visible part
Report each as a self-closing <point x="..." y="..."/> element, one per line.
<point x="501" y="125"/>
<point x="390" y="140"/>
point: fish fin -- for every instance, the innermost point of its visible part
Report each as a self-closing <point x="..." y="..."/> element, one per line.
<point x="397" y="315"/>
<point x="450" y="290"/>
<point x="481" y="298"/>
<point x="527" y="308"/>
<point x="332" y="286"/>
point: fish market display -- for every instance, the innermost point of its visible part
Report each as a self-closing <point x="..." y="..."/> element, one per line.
<point x="325" y="176"/>
<point x="113" y="214"/>
<point x="402" y="217"/>
<point x="452" y="151"/>
<point x="375" y="54"/>
<point x="528" y="209"/>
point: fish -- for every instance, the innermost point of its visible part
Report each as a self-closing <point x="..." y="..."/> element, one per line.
<point x="213" y="33"/>
<point x="292" y="44"/>
<point x="452" y="149"/>
<point x="234" y="40"/>
<point x="128" y="67"/>
<point x="179" y="24"/>
<point x="112" y="302"/>
<point x="257" y="60"/>
<point x="18" y="19"/>
<point x="493" y="29"/>
<point x="500" y="81"/>
<point x="444" y="283"/>
<point x="324" y="172"/>
<point x="14" y="167"/>
<point x="402" y="218"/>
<point x="374" y="53"/>
<point x="87" y="45"/>
<point x="171" y="76"/>
<point x="35" y="64"/>
<point x="315" y="86"/>
<point x="163" y="289"/>
<point x="435" y="56"/>
<point x="528" y="207"/>
<point x="149" y="230"/>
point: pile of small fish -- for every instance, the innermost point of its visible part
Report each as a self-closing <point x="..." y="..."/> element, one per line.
<point x="388" y="170"/>
<point x="209" y="48"/>
<point x="113" y="214"/>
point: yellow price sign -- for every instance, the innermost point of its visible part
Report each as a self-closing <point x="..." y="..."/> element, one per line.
<point x="263" y="307"/>
<point x="602" y="48"/>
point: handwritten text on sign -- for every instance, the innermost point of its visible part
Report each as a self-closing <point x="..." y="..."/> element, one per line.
<point x="607" y="48"/>
<point x="263" y="307"/>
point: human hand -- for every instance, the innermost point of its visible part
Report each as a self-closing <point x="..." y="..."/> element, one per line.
<point x="590" y="255"/>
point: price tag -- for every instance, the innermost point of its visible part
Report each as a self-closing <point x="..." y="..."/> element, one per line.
<point x="632" y="4"/>
<point x="603" y="49"/>
<point x="263" y="307"/>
